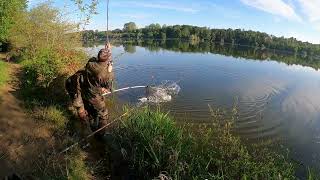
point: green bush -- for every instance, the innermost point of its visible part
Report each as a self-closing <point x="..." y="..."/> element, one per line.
<point x="45" y="65"/>
<point x="156" y="146"/>
<point x="49" y="44"/>
<point x="42" y="67"/>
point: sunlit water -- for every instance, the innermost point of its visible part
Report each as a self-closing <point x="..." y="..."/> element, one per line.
<point x="274" y="100"/>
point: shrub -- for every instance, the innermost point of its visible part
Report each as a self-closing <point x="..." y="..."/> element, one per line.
<point x="42" y="68"/>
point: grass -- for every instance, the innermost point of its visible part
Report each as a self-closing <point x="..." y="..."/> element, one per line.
<point x="155" y="146"/>
<point x="71" y="165"/>
<point x="53" y="115"/>
<point x="77" y="169"/>
<point x="4" y="73"/>
<point x="48" y="107"/>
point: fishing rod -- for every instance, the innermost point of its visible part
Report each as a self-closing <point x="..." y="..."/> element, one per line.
<point x="107" y="43"/>
<point x="95" y="132"/>
<point x="107" y="33"/>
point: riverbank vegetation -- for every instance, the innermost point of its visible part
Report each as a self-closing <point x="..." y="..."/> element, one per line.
<point x="156" y="147"/>
<point x="44" y="45"/>
<point x="9" y="12"/>
<point x="203" y="34"/>
<point x="48" y="47"/>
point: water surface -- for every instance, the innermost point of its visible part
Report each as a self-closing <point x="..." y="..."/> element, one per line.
<point x="277" y="94"/>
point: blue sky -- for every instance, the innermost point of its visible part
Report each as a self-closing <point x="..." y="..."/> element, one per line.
<point x="297" y="18"/>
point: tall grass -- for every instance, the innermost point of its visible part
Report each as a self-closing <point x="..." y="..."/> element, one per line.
<point x="4" y="73"/>
<point x="155" y="146"/>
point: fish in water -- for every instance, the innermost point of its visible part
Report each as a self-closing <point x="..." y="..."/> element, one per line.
<point x="159" y="94"/>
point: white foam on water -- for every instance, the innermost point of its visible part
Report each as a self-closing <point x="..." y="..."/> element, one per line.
<point x="161" y="93"/>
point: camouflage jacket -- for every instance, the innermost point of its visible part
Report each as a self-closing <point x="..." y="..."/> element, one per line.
<point x="88" y="82"/>
<point x="95" y="78"/>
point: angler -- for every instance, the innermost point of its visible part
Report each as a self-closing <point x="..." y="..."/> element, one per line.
<point x="87" y="86"/>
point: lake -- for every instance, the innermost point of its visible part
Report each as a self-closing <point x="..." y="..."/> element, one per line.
<point x="277" y="93"/>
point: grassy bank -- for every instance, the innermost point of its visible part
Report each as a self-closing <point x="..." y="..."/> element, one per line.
<point x="4" y="73"/>
<point x="48" y="107"/>
<point x="154" y="147"/>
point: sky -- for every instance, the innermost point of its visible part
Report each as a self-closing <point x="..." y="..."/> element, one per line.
<point x="288" y="18"/>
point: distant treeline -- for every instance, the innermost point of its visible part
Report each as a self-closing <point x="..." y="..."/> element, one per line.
<point x="236" y="51"/>
<point x="202" y="34"/>
<point x="227" y="50"/>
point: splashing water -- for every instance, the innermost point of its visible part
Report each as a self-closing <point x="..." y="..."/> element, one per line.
<point x="161" y="93"/>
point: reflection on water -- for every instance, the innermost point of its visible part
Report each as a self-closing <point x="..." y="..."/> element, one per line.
<point x="276" y="99"/>
<point x="227" y="50"/>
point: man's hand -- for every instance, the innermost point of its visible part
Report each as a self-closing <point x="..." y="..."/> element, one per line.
<point x="105" y="91"/>
<point x="83" y="114"/>
<point x="108" y="46"/>
<point x="110" y="68"/>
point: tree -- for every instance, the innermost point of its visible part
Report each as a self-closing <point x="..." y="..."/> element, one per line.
<point x="42" y="27"/>
<point x="130" y="26"/>
<point x="9" y="10"/>
<point x="49" y="44"/>
<point x="185" y="33"/>
<point x="232" y="36"/>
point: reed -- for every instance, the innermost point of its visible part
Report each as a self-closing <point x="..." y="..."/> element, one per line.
<point x="155" y="146"/>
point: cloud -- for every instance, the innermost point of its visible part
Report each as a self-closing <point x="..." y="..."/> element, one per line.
<point x="311" y="8"/>
<point x="275" y="7"/>
<point x="317" y="27"/>
<point x="160" y="5"/>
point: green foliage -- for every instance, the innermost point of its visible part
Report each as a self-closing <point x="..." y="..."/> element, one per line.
<point x="88" y="9"/>
<point x="48" y="44"/>
<point x="43" y="27"/>
<point x="48" y="49"/>
<point x="313" y="174"/>
<point x="130" y="26"/>
<point x="228" y="36"/>
<point x="42" y="68"/>
<point x="155" y="146"/>
<point x="9" y="10"/>
<point x="4" y="73"/>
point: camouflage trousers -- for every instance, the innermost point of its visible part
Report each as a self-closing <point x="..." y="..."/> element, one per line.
<point x="98" y="115"/>
<point x="97" y="112"/>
